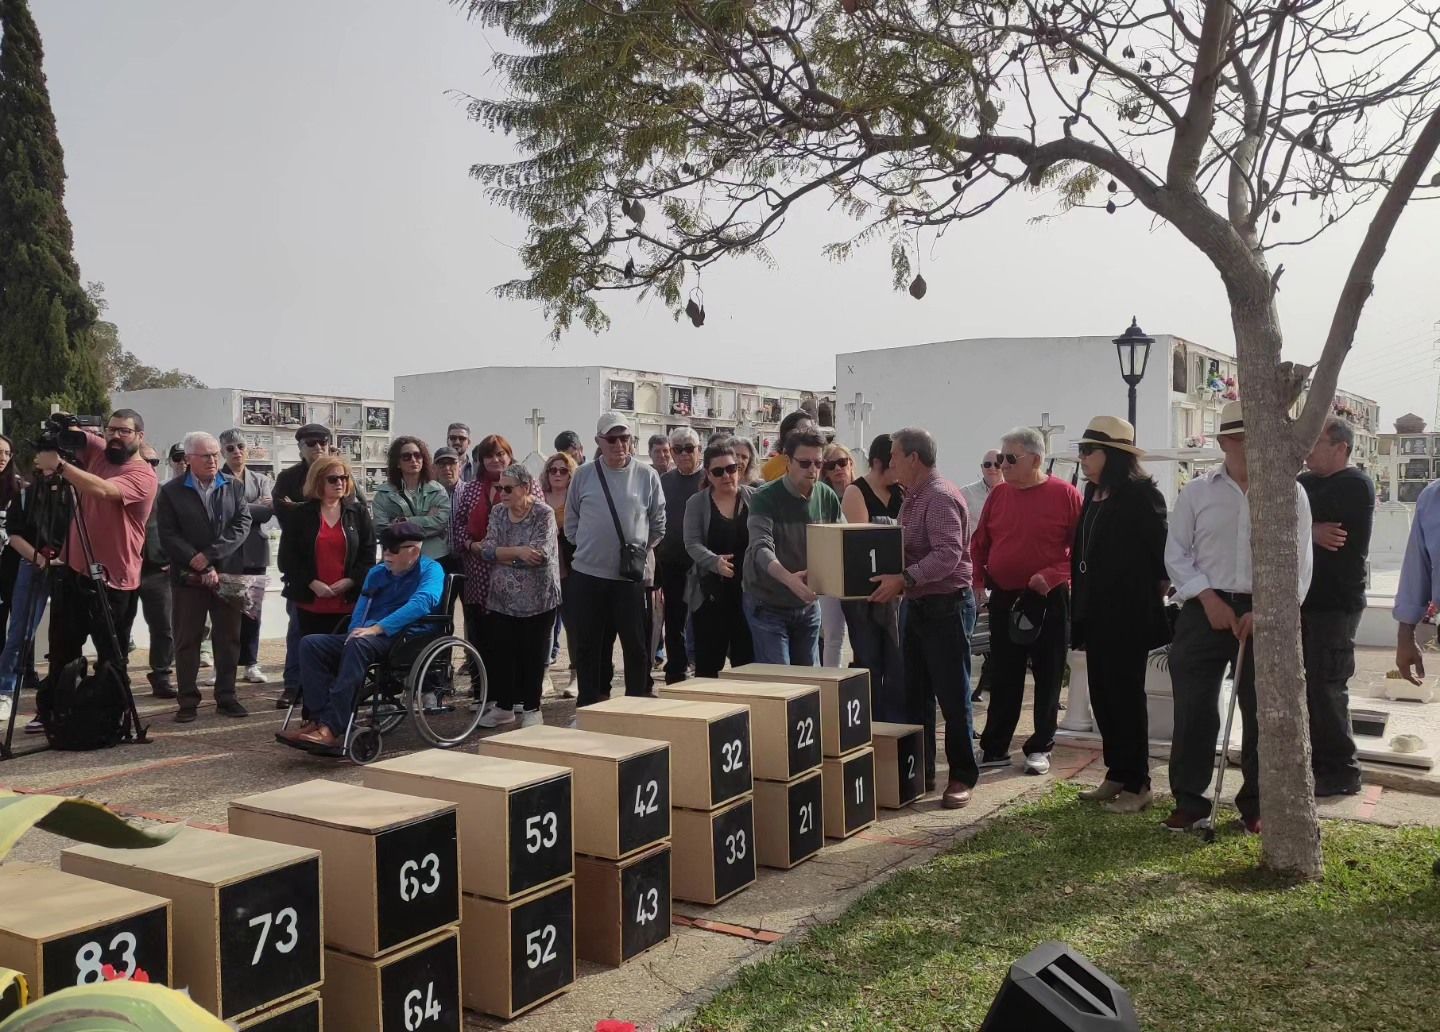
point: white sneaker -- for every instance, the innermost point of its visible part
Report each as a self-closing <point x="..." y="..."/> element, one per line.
<point x="6" y="705"/>
<point x="208" y="680"/>
<point x="1037" y="763"/>
<point x="207" y="658"/>
<point x="494" y="716"/>
<point x="531" y="718"/>
<point x="430" y="700"/>
<point x="255" y="675"/>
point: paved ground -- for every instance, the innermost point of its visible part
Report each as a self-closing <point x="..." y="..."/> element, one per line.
<point x="191" y="772"/>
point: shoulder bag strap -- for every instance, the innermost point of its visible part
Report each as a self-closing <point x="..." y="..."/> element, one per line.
<point x="600" y="472"/>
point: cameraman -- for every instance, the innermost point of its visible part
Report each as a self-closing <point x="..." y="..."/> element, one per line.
<point x="38" y="520"/>
<point x="116" y="489"/>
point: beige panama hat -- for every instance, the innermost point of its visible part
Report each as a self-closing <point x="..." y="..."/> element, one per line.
<point x="1111" y="432"/>
<point x="1232" y="421"/>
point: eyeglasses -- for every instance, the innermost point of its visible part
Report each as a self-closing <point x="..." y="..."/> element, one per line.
<point x="234" y="447"/>
<point x="724" y="471"/>
<point x="808" y="463"/>
<point x="315" y="442"/>
<point x="683" y="449"/>
<point x="617" y="438"/>
<point x="836" y="464"/>
<point x="213" y="456"/>
<point x="406" y="456"/>
<point x="991" y="465"/>
<point x="336" y="479"/>
<point x="558" y="471"/>
<point x="120" y="431"/>
<point x="1011" y="459"/>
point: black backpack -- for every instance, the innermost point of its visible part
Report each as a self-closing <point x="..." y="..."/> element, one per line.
<point x="82" y="712"/>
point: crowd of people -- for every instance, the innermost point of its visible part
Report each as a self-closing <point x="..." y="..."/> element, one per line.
<point x="696" y="559"/>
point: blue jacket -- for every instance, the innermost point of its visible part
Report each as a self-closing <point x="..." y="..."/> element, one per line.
<point x="396" y="602"/>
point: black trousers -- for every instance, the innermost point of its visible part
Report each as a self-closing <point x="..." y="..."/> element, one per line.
<point x="1046" y="656"/>
<point x="1328" y="641"/>
<point x="192" y="606"/>
<point x="1116" y="665"/>
<point x="518" y="655"/>
<point x="155" y="605"/>
<point x="250" y="632"/>
<point x="935" y="670"/>
<point x="597" y="612"/>
<point x="671" y="580"/>
<point x="75" y="616"/>
<point x="721" y="631"/>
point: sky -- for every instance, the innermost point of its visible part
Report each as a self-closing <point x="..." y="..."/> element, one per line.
<point x="276" y="196"/>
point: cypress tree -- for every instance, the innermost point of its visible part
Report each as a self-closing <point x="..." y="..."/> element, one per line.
<point x="46" y="356"/>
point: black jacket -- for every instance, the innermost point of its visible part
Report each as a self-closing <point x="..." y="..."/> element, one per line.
<point x="186" y="527"/>
<point x="1116" y="567"/>
<point x="289" y="486"/>
<point x="297" y="548"/>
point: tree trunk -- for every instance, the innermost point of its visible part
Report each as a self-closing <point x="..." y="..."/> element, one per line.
<point x="1291" y="839"/>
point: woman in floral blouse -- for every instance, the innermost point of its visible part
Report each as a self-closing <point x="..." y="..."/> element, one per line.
<point x="521" y="544"/>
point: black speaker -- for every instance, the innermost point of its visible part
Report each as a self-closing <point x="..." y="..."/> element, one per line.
<point x="1055" y="989"/>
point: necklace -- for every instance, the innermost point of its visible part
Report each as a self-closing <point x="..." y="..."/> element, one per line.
<point x="1087" y="530"/>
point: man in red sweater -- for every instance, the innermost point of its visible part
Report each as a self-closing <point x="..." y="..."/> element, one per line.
<point x="1021" y="553"/>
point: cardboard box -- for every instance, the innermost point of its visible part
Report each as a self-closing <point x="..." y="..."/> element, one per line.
<point x="713" y="852"/>
<point x="621" y="785"/>
<point x="789" y="820"/>
<point x="515" y="818"/>
<point x="59" y="929"/>
<point x="899" y="763"/>
<point x="784" y="720"/>
<point x="302" y="1014"/>
<point x="840" y="558"/>
<point x="844" y="699"/>
<point x="245" y="913"/>
<point x="622" y="907"/>
<point x="517" y="955"/>
<point x="710" y="743"/>
<point x="410" y="989"/>
<point x="391" y="865"/>
<point x="849" y="789"/>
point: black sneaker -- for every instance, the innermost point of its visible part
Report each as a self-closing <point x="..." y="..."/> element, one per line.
<point x="161" y="688"/>
<point x="185" y="716"/>
<point x="1325" y="790"/>
<point x="231" y="708"/>
<point x="35" y="727"/>
<point x="286" y="700"/>
<point x="987" y="762"/>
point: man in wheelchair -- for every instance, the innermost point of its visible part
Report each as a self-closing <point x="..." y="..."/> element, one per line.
<point x="403" y="588"/>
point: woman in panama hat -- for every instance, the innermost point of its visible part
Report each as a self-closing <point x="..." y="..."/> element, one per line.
<point x="1118" y="577"/>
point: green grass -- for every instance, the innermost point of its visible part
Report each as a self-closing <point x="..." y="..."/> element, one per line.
<point x="1199" y="936"/>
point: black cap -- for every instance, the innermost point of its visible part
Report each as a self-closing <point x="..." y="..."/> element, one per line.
<point x="313" y="430"/>
<point x="566" y="439"/>
<point x="400" y="532"/>
<point x="444" y="453"/>
<point x="1027" y="618"/>
<point x="177" y="453"/>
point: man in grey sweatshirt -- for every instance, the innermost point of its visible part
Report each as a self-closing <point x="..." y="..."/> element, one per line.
<point x="600" y="604"/>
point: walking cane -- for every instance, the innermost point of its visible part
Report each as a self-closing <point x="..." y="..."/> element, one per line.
<point x="1225" y="740"/>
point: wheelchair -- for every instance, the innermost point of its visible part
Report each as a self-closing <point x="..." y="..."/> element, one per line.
<point x="429" y="674"/>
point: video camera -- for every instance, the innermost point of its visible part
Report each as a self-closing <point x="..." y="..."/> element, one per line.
<point x="64" y="433"/>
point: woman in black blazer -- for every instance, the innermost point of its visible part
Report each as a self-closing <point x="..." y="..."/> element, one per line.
<point x="1118" y="583"/>
<point x="327" y="549"/>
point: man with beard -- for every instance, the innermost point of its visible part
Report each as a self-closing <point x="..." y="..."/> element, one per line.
<point x="116" y="490"/>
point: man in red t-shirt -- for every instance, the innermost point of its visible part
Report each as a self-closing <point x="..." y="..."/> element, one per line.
<point x="1020" y="551"/>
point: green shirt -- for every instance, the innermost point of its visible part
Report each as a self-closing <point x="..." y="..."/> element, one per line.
<point x="778" y="518"/>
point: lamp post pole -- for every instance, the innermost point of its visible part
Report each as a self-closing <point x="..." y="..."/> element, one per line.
<point x="1133" y="349"/>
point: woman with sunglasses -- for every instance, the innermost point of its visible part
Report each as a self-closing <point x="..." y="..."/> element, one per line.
<point x="559" y="468"/>
<point x="412" y="493"/>
<point x="1118" y="583"/>
<point x="839" y="472"/>
<point x="327" y="549"/>
<point x="520" y="543"/>
<point x="716" y="536"/>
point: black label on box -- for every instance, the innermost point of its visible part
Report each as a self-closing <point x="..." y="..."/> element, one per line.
<point x="542" y="947"/>
<point x="304" y="1018"/>
<point x="730" y="758"/>
<point x="644" y="903"/>
<point x="644" y="802"/>
<point x="269" y="937"/>
<point x="807" y="819"/>
<point x="802" y="716"/>
<point x="417" y="888"/>
<point x="732" y="836"/>
<point x="540" y="834"/>
<point x="867" y="553"/>
<point x="910" y="763"/>
<point x="855" y="712"/>
<point x="128" y="947"/>
<point x="859" y="775"/>
<point x="421" y="992"/>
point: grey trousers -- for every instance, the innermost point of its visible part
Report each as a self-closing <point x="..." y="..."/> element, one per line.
<point x="1328" y="640"/>
<point x="155" y="605"/>
<point x="1199" y="656"/>
<point x="191" y="606"/>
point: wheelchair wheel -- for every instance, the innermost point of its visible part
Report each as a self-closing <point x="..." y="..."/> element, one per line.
<point x="447" y="691"/>
<point x="365" y="745"/>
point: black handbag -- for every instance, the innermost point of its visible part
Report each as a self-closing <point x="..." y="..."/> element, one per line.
<point x="632" y="556"/>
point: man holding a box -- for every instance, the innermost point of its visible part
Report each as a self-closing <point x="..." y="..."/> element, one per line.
<point x="939" y="607"/>
<point x="782" y="611"/>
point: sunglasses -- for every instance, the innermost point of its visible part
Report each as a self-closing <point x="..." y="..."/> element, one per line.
<point x="1087" y="449"/>
<point x="153" y="462"/>
<point x="724" y="471"/>
<point x="458" y="437"/>
<point x="315" y="442"/>
<point x="836" y="464"/>
<point x="683" y="449"/>
<point x="234" y="447"/>
<point x="1011" y="459"/>
<point x="617" y="438"/>
<point x="991" y="465"/>
<point x="397" y="549"/>
<point x="558" y="471"/>
<point x="808" y="463"/>
<point x="507" y="488"/>
<point x="406" y="456"/>
<point x="335" y="480"/>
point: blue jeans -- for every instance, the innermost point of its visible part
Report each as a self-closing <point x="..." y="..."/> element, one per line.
<point x="293" y="637"/>
<point x="937" y="648"/>
<point x="875" y="636"/>
<point x="784" y="634"/>
<point x="332" y="669"/>
<point x="31" y="590"/>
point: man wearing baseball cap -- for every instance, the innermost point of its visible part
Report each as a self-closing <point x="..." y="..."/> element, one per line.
<point x="403" y="588"/>
<point x="614" y="514"/>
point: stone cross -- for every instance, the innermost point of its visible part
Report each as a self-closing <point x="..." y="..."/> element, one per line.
<point x="858" y="411"/>
<point x="536" y="420"/>
<point x="1047" y="429"/>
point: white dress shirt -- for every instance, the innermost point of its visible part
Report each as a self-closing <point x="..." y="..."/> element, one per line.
<point x="1209" y="540"/>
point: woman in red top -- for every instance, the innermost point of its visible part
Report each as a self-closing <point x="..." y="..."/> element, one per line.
<point x="327" y="548"/>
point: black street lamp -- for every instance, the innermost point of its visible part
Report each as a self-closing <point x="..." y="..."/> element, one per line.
<point x="1133" y="349"/>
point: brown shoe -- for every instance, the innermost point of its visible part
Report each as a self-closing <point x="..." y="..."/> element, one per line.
<point x="320" y="736"/>
<point x="293" y="734"/>
<point x="1128" y="802"/>
<point x="1107" y="789"/>
<point x="957" y="794"/>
